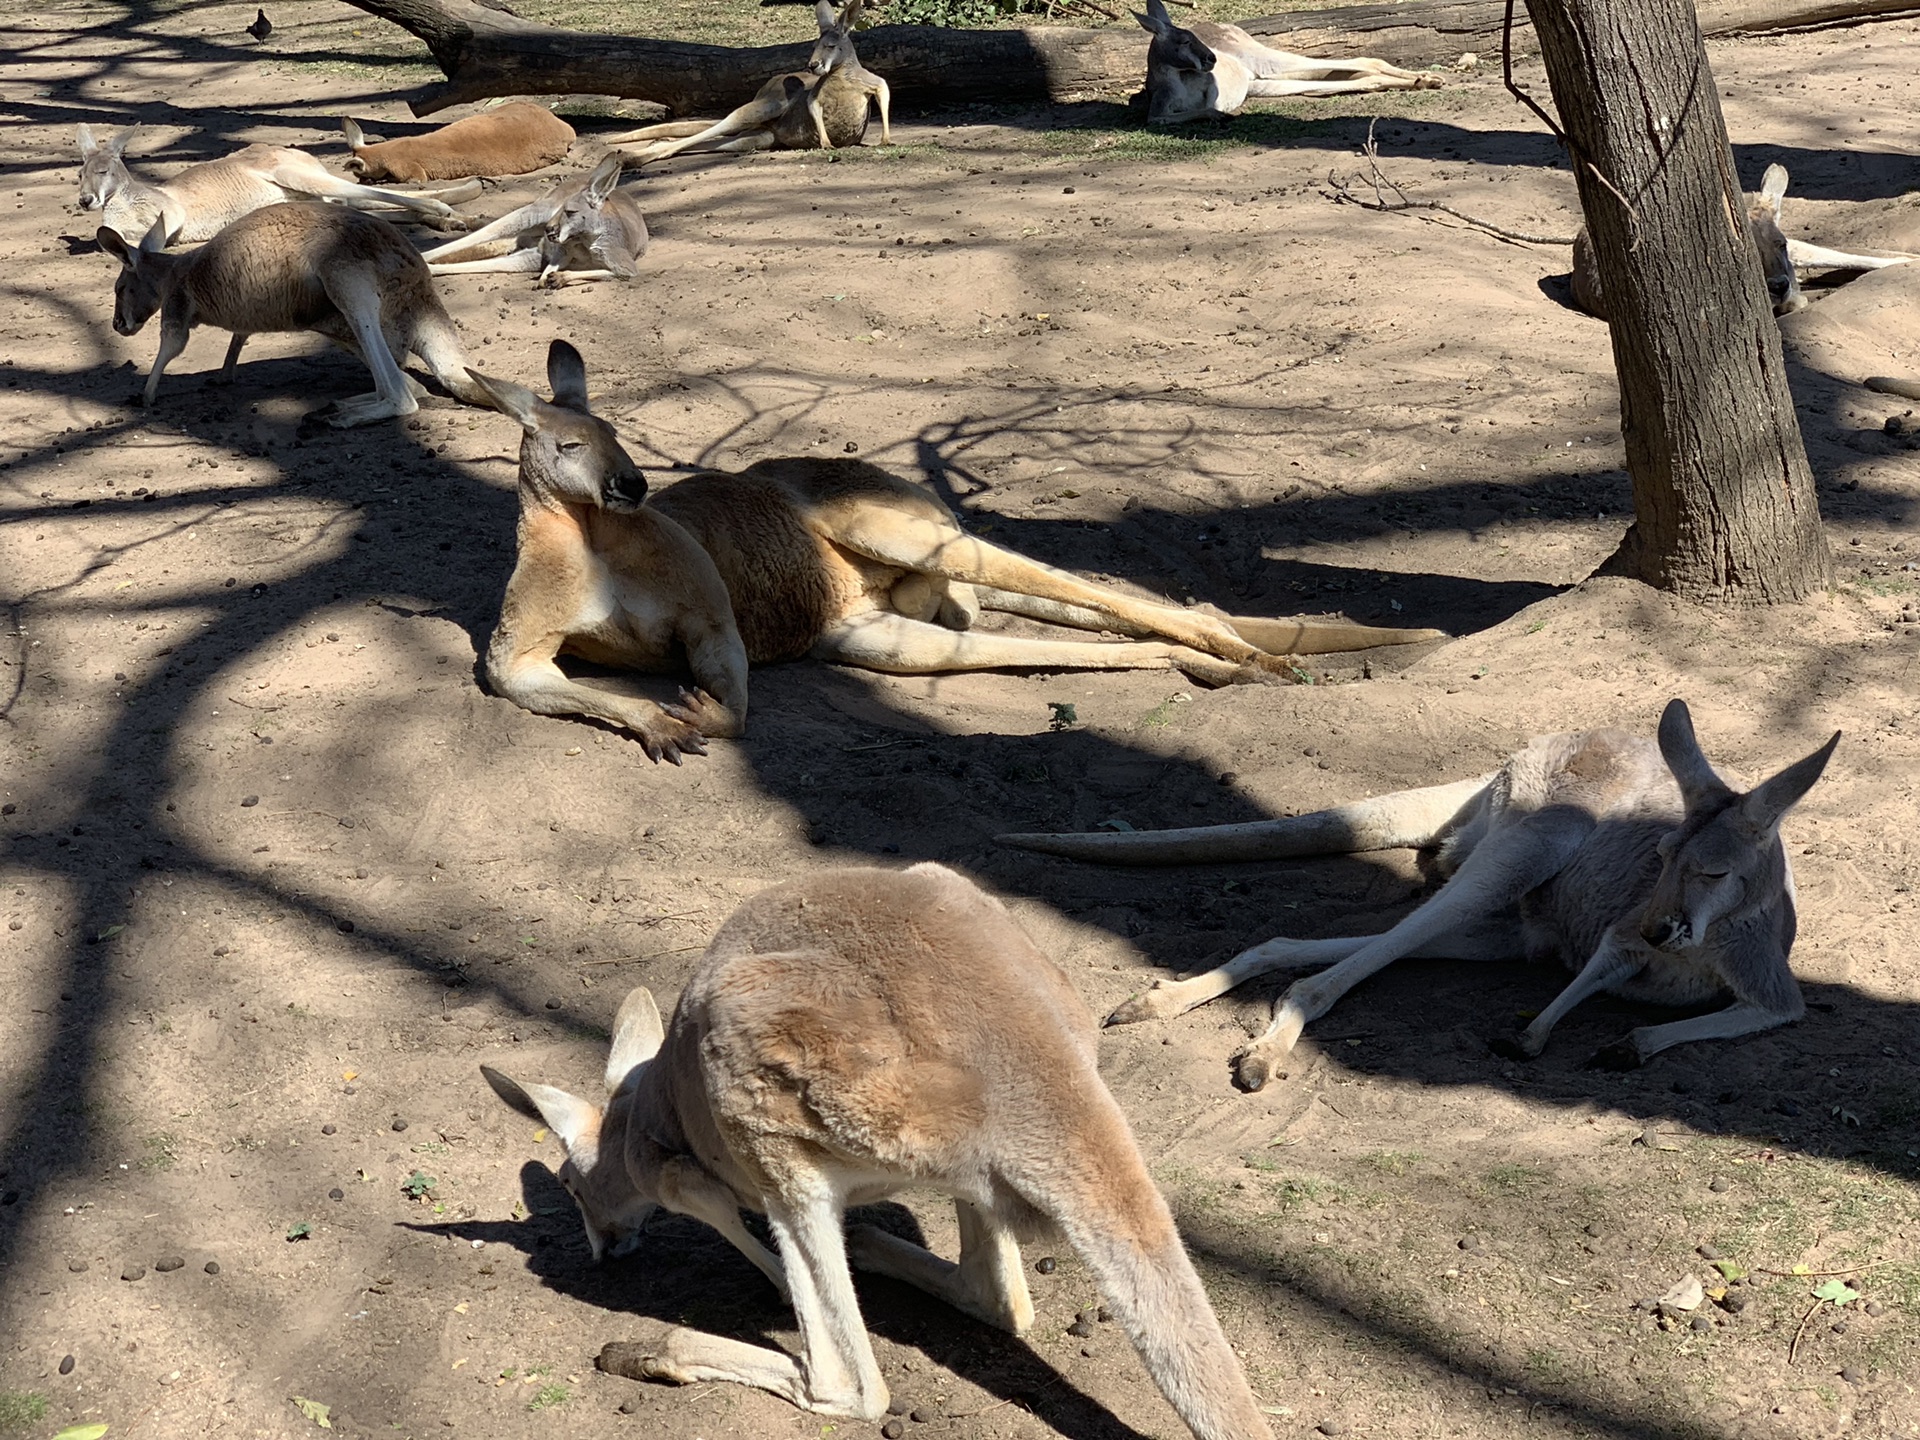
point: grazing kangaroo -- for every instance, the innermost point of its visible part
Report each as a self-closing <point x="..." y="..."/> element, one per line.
<point x="509" y="140"/>
<point x="1652" y="880"/>
<point x="204" y="199"/>
<point x="348" y="276"/>
<point x="823" y="107"/>
<point x="1781" y="259"/>
<point x="588" y="231"/>
<point x="1206" y="70"/>
<point x="835" y="559"/>
<point x="848" y="1036"/>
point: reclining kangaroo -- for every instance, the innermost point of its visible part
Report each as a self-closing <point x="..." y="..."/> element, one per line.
<point x="831" y="558"/>
<point x="1207" y="70"/>
<point x="342" y="274"/>
<point x="202" y="200"/>
<point x="587" y="231"/>
<point x="1781" y="259"/>
<point x="1653" y="881"/>
<point x="848" y="1036"/>
<point x="823" y="107"/>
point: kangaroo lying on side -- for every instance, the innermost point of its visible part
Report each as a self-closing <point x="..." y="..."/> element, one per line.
<point x="1207" y="70"/>
<point x="203" y="200"/>
<point x="848" y="1036"/>
<point x="831" y="558"/>
<point x="1651" y="880"/>
<point x="509" y="140"/>
<point x="823" y="107"/>
<point x="345" y="275"/>
<point x="1781" y="259"/>
<point x="588" y="231"/>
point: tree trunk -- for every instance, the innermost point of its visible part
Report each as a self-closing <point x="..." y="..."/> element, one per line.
<point x="1724" y="504"/>
<point x="486" y="51"/>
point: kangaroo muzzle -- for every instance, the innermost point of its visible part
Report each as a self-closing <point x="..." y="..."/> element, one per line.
<point x="624" y="491"/>
<point x="1666" y="932"/>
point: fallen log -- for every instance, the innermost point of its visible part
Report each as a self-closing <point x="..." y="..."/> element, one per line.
<point x="487" y="51"/>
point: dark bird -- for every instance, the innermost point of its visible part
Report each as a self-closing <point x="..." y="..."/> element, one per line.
<point x="261" y="26"/>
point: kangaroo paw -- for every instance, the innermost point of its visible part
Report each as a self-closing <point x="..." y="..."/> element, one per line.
<point x="1253" y="1067"/>
<point x="635" y="1361"/>
<point x="1620" y="1055"/>
<point x="1157" y="1002"/>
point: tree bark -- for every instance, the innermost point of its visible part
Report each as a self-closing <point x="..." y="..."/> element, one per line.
<point x="487" y="51"/>
<point x="1724" y="504"/>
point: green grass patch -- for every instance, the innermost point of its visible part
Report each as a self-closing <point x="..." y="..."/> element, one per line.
<point x="1393" y="1162"/>
<point x="1516" y="1179"/>
<point x="20" y="1408"/>
<point x="548" y="1396"/>
<point x="163" y="1152"/>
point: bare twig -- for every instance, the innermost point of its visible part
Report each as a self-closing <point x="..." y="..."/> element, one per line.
<point x="1388" y="197"/>
<point x="1580" y="156"/>
<point x="636" y="959"/>
<point x="1794" y="1348"/>
<point x="1823" y="1274"/>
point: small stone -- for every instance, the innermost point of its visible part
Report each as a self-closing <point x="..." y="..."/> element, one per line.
<point x="1734" y="1301"/>
<point x="1719" y="1184"/>
<point x="336" y="1193"/>
<point x="1787" y="1107"/>
<point x="1874" y="1307"/>
<point x="553" y="1004"/>
<point x="921" y="1414"/>
<point x="1706" y="1252"/>
<point x="134" y="1272"/>
<point x="1839" y="1327"/>
<point x="1331" y="1427"/>
<point x="398" y="1125"/>
<point x="1086" y="1351"/>
<point x="1594" y="1230"/>
<point x="1850" y="1375"/>
<point x="329" y="1129"/>
<point x="248" y="802"/>
<point x="893" y="1430"/>
<point x="78" y="1267"/>
<point x="345" y="927"/>
<point x="628" y="1407"/>
<point x="167" y="1264"/>
<point x="1103" y="1315"/>
<point x="1701" y="1322"/>
<point x="212" y="1267"/>
<point x="1046" y="1265"/>
<point x="8" y="808"/>
<point x="1080" y="1329"/>
<point x="66" y="1365"/>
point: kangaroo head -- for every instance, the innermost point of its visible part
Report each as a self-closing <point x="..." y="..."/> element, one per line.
<point x="615" y="1199"/>
<point x="834" y="48"/>
<point x="1173" y="47"/>
<point x="576" y="225"/>
<point x="1723" y="860"/>
<point x="138" y="290"/>
<point x="567" y="453"/>
<point x="1763" y="218"/>
<point x="103" y="167"/>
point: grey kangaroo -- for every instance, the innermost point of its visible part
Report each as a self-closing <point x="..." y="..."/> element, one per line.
<point x="854" y="1034"/>
<point x="1636" y="866"/>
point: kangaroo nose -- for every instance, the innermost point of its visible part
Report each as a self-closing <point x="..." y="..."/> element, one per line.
<point x="1660" y="933"/>
<point x="625" y="490"/>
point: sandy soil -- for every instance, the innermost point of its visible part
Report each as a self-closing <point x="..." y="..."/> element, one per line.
<point x="280" y="874"/>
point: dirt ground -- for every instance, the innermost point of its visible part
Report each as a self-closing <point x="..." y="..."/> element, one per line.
<point x="280" y="874"/>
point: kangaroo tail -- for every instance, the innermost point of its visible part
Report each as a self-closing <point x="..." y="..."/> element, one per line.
<point x="437" y="343"/>
<point x="1322" y="637"/>
<point x="1386" y="822"/>
<point x="1100" y="1194"/>
<point x="1894" y="385"/>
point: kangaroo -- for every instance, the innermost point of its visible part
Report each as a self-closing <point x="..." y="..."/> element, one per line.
<point x="204" y="199"/>
<point x="348" y="276"/>
<point x="1207" y="70"/>
<point x="591" y="225"/>
<point x="1655" y="881"/>
<point x="509" y="140"/>
<point x="823" y="107"/>
<point x="1781" y="259"/>
<point x="847" y="1036"/>
<point x="836" y="559"/>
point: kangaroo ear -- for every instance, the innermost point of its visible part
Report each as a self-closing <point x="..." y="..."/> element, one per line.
<point x="605" y="177"/>
<point x="1773" y="187"/>
<point x="637" y="1033"/>
<point x="851" y="13"/>
<point x="87" y="143"/>
<point x="351" y="129"/>
<point x="155" y="240"/>
<point x="510" y="399"/>
<point x="1766" y="804"/>
<point x="567" y="375"/>
<point x="568" y="1116"/>
<point x="1698" y="782"/>
<point x="111" y="242"/>
<point x="1149" y="24"/>
<point x="823" y="15"/>
<point x="118" y="145"/>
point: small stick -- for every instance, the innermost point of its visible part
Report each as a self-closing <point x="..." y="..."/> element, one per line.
<point x="1793" y="1348"/>
<point x="636" y="959"/>
<point x="1822" y="1274"/>
<point x="1400" y="200"/>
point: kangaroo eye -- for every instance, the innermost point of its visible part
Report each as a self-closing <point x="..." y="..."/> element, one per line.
<point x="1710" y="873"/>
<point x="567" y="447"/>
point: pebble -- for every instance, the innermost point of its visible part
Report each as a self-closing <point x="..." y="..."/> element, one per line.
<point x="1594" y="1230"/>
<point x="1874" y="1307"/>
<point x="1086" y="1352"/>
<point x="1850" y="1375"/>
<point x="167" y="1264"/>
<point x="398" y="1124"/>
<point x="66" y="1365"/>
<point x="897" y="1406"/>
<point x="212" y="1267"/>
<point x="1330" y="1427"/>
<point x="921" y="1414"/>
<point x="1707" y="1252"/>
<point x="627" y="1407"/>
<point x="249" y="802"/>
<point x="1080" y="1329"/>
<point x="1701" y="1322"/>
<point x="336" y="1193"/>
<point x="1103" y="1315"/>
<point x="78" y="1267"/>
<point x="345" y="927"/>
<point x="1046" y="1265"/>
<point x="1719" y="1184"/>
<point x="1734" y="1301"/>
<point x="329" y="1129"/>
<point x="1839" y="1327"/>
<point x="134" y="1272"/>
<point x="893" y="1430"/>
